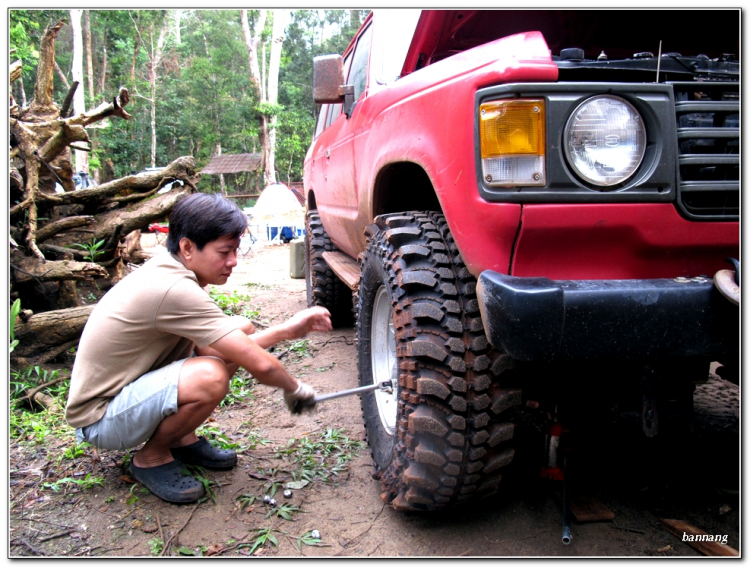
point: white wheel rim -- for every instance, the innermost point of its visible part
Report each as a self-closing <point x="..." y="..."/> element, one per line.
<point x="384" y="359"/>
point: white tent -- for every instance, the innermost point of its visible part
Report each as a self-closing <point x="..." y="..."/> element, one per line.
<point x="277" y="207"/>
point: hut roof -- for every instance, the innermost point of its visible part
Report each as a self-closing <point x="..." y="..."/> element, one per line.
<point x="232" y="163"/>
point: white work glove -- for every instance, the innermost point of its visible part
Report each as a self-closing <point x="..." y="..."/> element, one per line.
<point x="300" y="399"/>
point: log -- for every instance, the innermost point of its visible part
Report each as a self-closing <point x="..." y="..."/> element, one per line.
<point x="16" y="68"/>
<point x="589" y="509"/>
<point x="46" y="401"/>
<point x="47" y="330"/>
<point x="68" y="253"/>
<point x="65" y="135"/>
<point x="182" y="168"/>
<point x="131" y="251"/>
<point x="137" y="218"/>
<point x="104" y="110"/>
<point x="30" y="269"/>
<point x="52" y="228"/>
<point x="140" y="217"/>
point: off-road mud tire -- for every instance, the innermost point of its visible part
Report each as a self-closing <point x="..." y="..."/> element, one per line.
<point x="452" y="439"/>
<point x="324" y="288"/>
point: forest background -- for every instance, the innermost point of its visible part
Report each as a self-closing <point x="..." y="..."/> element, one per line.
<point x="192" y="87"/>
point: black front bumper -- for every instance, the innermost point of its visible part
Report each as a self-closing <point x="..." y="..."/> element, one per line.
<point x="540" y="319"/>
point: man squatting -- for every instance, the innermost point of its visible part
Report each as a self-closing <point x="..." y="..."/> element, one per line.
<point x="157" y="354"/>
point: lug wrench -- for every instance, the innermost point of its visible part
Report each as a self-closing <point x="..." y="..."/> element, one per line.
<point x="301" y="405"/>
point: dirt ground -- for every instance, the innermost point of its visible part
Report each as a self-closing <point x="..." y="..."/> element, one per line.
<point x="640" y="480"/>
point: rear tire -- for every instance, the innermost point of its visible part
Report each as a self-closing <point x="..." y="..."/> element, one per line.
<point x="449" y="438"/>
<point x="324" y="288"/>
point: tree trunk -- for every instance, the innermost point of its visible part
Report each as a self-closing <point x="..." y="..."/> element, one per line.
<point x="104" y="70"/>
<point x="279" y="23"/>
<point x="156" y="56"/>
<point x="61" y="75"/>
<point x="79" y="99"/>
<point x="256" y="80"/>
<point x="177" y="31"/>
<point x="89" y="54"/>
<point x="23" y="92"/>
<point x="222" y="185"/>
<point x="136" y="46"/>
<point x="43" y="106"/>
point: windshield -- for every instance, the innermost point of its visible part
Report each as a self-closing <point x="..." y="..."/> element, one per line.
<point x="390" y="44"/>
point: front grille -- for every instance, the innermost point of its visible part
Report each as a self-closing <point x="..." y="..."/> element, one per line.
<point x="708" y="138"/>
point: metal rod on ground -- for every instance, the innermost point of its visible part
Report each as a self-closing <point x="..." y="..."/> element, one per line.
<point x="566" y="537"/>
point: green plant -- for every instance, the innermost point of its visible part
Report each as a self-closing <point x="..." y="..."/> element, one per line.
<point x="240" y="389"/>
<point x="230" y="303"/>
<point x="309" y="540"/>
<point x="272" y="486"/>
<point x="109" y="499"/>
<point x="38" y="427"/>
<point x="32" y="376"/>
<point x="156" y="545"/>
<point x="91" y="248"/>
<point x="258" y="285"/>
<point x="285" y="511"/>
<point x="218" y="439"/>
<point x="245" y="500"/>
<point x="263" y="536"/>
<point x="301" y="348"/>
<point x="253" y="437"/>
<point x="74" y="452"/>
<point x="197" y="473"/>
<point x="320" y="458"/>
<point x="15" y="309"/>
<point x="84" y="483"/>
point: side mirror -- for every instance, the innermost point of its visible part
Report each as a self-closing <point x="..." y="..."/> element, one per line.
<point x="328" y="82"/>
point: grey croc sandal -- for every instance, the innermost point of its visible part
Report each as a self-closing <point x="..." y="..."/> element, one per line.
<point x="169" y="482"/>
<point x="203" y="454"/>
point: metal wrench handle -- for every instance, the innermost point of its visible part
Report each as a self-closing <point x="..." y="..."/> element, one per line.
<point x="384" y="385"/>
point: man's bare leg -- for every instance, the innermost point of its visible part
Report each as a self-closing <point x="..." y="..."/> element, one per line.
<point x="203" y="383"/>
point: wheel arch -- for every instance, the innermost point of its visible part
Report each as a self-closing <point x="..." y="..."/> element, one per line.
<point x="310" y="200"/>
<point x="403" y="186"/>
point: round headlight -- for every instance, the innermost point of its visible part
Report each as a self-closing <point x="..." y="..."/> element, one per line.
<point x="605" y="140"/>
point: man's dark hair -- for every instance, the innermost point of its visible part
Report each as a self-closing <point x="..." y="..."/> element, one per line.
<point x="203" y="218"/>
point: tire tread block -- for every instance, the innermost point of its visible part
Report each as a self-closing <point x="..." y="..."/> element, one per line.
<point x="498" y="460"/>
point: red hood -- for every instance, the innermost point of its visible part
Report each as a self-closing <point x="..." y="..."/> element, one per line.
<point x="442" y="33"/>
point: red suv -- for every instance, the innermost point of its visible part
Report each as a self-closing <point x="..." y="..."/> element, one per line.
<point x="511" y="201"/>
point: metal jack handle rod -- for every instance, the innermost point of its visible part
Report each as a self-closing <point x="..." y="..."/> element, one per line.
<point x="384" y="385"/>
<point x="300" y="405"/>
<point x="566" y="537"/>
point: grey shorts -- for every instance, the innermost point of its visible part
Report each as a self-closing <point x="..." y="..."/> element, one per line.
<point x="134" y="414"/>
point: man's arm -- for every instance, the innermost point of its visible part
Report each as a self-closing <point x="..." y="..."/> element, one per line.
<point x="265" y="367"/>
<point x="312" y="319"/>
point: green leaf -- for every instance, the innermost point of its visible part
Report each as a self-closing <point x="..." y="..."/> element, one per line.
<point x="14" y="311"/>
<point x="182" y="550"/>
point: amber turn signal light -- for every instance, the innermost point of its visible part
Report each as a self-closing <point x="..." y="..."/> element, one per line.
<point x="512" y="140"/>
